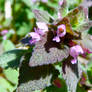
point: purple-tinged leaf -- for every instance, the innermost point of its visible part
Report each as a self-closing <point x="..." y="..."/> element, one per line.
<point x="86" y="3"/>
<point x="63" y="10"/>
<point x="85" y="26"/>
<point x="86" y="41"/>
<point x="47" y="51"/>
<point x="35" y="78"/>
<point x="43" y="16"/>
<point x="71" y="74"/>
<point x="78" y="17"/>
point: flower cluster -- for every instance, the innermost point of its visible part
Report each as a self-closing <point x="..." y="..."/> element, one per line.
<point x="65" y="31"/>
<point x="40" y="31"/>
<point x="42" y="28"/>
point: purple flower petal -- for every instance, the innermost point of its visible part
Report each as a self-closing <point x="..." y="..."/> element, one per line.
<point x="57" y="39"/>
<point x="42" y="26"/>
<point x="74" y="61"/>
<point x="75" y="51"/>
<point x="39" y="31"/>
<point x="35" y="37"/>
<point x="61" y="30"/>
<point x="4" y="32"/>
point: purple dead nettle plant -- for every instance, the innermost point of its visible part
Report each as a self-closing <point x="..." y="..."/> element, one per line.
<point x="63" y="39"/>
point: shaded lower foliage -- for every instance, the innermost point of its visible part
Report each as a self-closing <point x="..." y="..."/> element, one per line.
<point x="53" y="88"/>
<point x="35" y="78"/>
<point x="71" y="74"/>
<point x="11" y="58"/>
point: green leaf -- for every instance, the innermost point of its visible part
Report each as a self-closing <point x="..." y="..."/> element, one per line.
<point x="2" y="89"/>
<point x="74" y="3"/>
<point x="12" y="78"/>
<point x="84" y="26"/>
<point x="28" y="3"/>
<point x="78" y="18"/>
<point x="43" y="16"/>
<point x="11" y="58"/>
<point x="63" y="9"/>
<point x="89" y="72"/>
<point x="8" y="45"/>
<point x="9" y="62"/>
<point x="5" y="86"/>
<point x="53" y="88"/>
<point x="24" y="29"/>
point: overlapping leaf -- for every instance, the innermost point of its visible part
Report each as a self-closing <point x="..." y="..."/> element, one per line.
<point x="71" y="74"/>
<point x="48" y="52"/>
<point x="11" y="58"/>
<point x="86" y="41"/>
<point x="43" y="16"/>
<point x="35" y="78"/>
<point x="68" y="5"/>
<point x="10" y="61"/>
<point x="78" y="18"/>
<point x="63" y="8"/>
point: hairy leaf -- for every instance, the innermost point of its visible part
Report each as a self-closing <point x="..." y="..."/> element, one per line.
<point x="68" y="5"/>
<point x="63" y="9"/>
<point x="35" y="78"/>
<point x="86" y="3"/>
<point x="84" y="26"/>
<point x="74" y="3"/>
<point x="71" y="74"/>
<point x="86" y="41"/>
<point x="43" y="16"/>
<point x="48" y="52"/>
<point x="78" y="17"/>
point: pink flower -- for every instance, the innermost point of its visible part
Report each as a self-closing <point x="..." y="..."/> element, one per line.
<point x="74" y="52"/>
<point x="61" y="32"/>
<point x="87" y="50"/>
<point x="42" y="26"/>
<point x="40" y="31"/>
<point x="4" y="32"/>
<point x="60" y="2"/>
<point x="35" y="37"/>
